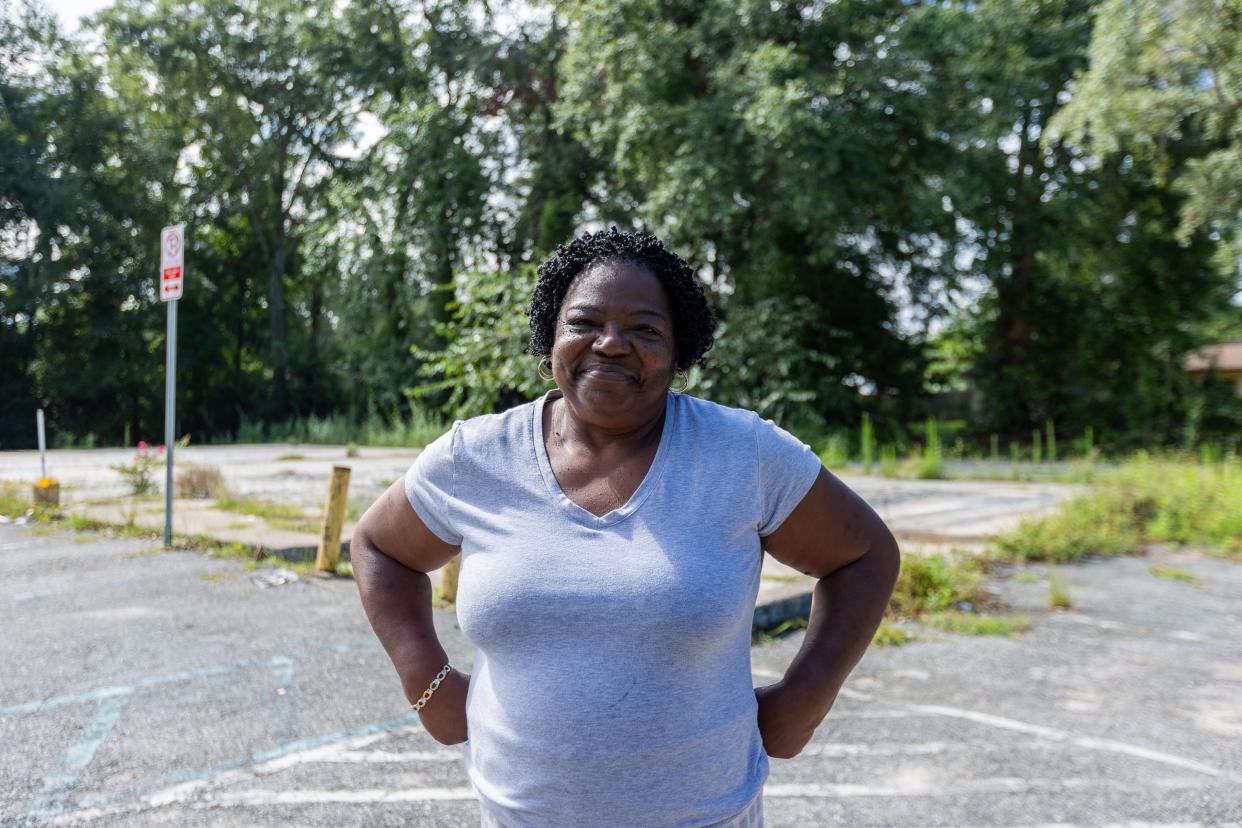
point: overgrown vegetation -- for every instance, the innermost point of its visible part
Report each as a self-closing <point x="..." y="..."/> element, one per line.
<point x="401" y="259"/>
<point x="936" y="583"/>
<point x="15" y="499"/>
<point x="1059" y="596"/>
<point x="891" y="635"/>
<point x="1174" y="573"/>
<point x="967" y="623"/>
<point x="1171" y="499"/>
<point x="415" y="429"/>
<point x="199" y="481"/>
<point x="277" y="515"/>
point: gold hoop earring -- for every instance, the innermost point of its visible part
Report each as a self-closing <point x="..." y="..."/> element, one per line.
<point x="540" y="370"/>
<point x="685" y="382"/>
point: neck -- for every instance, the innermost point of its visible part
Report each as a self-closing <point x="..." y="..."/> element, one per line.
<point x="569" y="429"/>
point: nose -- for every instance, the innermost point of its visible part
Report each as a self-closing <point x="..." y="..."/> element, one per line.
<point x="611" y="340"/>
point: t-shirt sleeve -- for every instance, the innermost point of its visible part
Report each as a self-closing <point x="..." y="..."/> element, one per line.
<point x="786" y="469"/>
<point x="430" y="486"/>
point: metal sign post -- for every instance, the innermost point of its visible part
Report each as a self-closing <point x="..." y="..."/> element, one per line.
<point x="42" y="443"/>
<point x="172" y="262"/>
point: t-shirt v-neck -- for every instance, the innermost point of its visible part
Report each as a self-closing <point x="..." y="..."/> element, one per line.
<point x="577" y="512"/>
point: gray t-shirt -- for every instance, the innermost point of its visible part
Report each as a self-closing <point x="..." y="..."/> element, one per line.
<point x="612" y="684"/>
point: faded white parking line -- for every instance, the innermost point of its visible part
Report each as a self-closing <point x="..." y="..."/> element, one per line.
<point x="1089" y="742"/>
<point x="349" y="797"/>
<point x="1048" y="733"/>
<point x="924" y="786"/>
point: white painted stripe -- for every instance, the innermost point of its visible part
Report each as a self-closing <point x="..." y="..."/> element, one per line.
<point x="379" y="757"/>
<point x="763" y="673"/>
<point x="843" y="749"/>
<point x="260" y="798"/>
<point x="1089" y="742"/>
<point x="931" y="787"/>
<point x="190" y="792"/>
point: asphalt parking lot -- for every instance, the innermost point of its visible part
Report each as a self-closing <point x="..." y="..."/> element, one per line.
<point x="156" y="688"/>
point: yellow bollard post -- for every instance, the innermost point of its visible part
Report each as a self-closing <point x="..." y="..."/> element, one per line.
<point x="333" y="519"/>
<point x="447" y="592"/>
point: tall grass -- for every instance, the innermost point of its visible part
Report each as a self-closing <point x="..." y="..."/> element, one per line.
<point x="930" y="463"/>
<point x="836" y="452"/>
<point x="1169" y="499"/>
<point x="415" y="429"/>
<point x="867" y="442"/>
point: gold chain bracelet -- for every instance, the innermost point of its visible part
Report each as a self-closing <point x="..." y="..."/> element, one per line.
<point x="435" y="682"/>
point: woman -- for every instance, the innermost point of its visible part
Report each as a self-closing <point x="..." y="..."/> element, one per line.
<point x="612" y="533"/>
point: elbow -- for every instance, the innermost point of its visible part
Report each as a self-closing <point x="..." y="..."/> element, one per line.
<point x="888" y="558"/>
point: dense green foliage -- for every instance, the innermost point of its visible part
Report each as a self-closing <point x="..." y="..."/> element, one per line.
<point x="1161" y="500"/>
<point x="885" y="200"/>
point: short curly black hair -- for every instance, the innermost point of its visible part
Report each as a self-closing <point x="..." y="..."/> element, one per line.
<point x="694" y="324"/>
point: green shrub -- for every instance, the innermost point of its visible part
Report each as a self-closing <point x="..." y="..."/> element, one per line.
<point x="934" y="583"/>
<point x="1145" y="500"/>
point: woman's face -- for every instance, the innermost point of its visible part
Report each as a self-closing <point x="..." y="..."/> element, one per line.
<point x="613" y="352"/>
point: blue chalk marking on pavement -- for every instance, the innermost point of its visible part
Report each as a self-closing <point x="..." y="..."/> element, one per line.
<point x="174" y="678"/>
<point x="81" y="753"/>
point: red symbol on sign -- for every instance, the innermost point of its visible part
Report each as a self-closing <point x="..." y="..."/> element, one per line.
<point x="171" y="274"/>
<point x="172" y="244"/>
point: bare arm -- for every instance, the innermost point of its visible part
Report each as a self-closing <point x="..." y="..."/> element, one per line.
<point x="834" y="535"/>
<point x="392" y="550"/>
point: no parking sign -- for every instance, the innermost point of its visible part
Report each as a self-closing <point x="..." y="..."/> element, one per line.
<point x="172" y="277"/>
<point x="172" y="261"/>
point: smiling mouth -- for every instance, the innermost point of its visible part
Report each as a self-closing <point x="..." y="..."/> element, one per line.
<point x="606" y="372"/>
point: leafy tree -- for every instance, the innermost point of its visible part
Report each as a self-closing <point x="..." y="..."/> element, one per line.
<point x="1163" y="86"/>
<point x="255" y="88"/>
<point x="484" y="364"/>
<point x="784" y="148"/>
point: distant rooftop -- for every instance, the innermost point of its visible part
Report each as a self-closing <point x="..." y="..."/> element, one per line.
<point x="1226" y="356"/>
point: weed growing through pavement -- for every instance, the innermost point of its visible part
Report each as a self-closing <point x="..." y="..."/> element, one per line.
<point x="1174" y="573"/>
<point x="890" y="635"/>
<point x="935" y="583"/>
<point x="139" y="474"/>
<point x="966" y="623"/>
<point x="14" y="499"/>
<point x="291" y="456"/>
<point x="1058" y="592"/>
<point x="278" y="515"/>
<point x="200" y="481"/>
